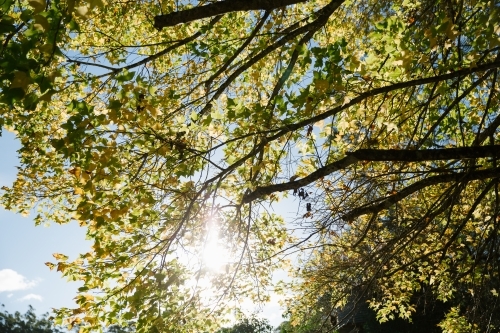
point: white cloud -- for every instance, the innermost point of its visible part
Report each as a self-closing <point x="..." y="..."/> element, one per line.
<point x="30" y="296"/>
<point x="11" y="280"/>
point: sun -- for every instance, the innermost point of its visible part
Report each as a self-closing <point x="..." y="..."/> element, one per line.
<point x="214" y="255"/>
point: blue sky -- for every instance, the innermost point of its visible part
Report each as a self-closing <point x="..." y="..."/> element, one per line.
<point x="24" y="248"/>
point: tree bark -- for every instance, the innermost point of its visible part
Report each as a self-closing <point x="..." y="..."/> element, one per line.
<point x="218" y="8"/>
<point x="378" y="155"/>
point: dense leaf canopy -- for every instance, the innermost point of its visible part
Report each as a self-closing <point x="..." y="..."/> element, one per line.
<point x="30" y="323"/>
<point x="167" y="128"/>
<point x="26" y="323"/>
<point x="249" y="325"/>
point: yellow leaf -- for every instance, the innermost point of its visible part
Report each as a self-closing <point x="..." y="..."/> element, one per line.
<point x="157" y="127"/>
<point x="38" y="5"/>
<point x="50" y="265"/>
<point x="354" y="64"/>
<point x="21" y="80"/>
<point x="256" y="168"/>
<point x="255" y="75"/>
<point x="321" y="85"/>
<point x="77" y="171"/>
<point x="61" y="267"/>
<point x="47" y="48"/>
<point x="451" y="31"/>
<point x="163" y="150"/>
<point x="82" y="11"/>
<point x="309" y="106"/>
<point x="79" y="191"/>
<point x="38" y="27"/>
<point x="115" y="213"/>
<point x="216" y="115"/>
<point x="194" y="116"/>
<point x="432" y="39"/>
<point x="60" y="256"/>
<point x="41" y="23"/>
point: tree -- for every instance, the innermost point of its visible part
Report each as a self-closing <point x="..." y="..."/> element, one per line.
<point x="26" y="323"/>
<point x="249" y="325"/>
<point x="30" y="323"/>
<point x="157" y="125"/>
<point x="322" y="318"/>
<point x="29" y="45"/>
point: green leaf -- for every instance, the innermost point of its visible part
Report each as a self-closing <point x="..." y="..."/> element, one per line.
<point x="125" y="76"/>
<point x="5" y="5"/>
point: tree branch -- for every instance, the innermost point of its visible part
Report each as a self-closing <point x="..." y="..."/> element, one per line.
<point x="321" y="15"/>
<point x="453" y="104"/>
<point x="383" y="90"/>
<point x="221" y="70"/>
<point x="332" y="112"/>
<point x="393" y="199"/>
<point x="378" y="155"/>
<point x="382" y="155"/>
<point x="218" y="8"/>
<point x="159" y="54"/>
<point x="490" y="130"/>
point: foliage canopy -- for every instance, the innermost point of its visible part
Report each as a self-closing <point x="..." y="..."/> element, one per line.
<point x="30" y="323"/>
<point x="26" y="323"/>
<point x="159" y="124"/>
<point x="249" y="325"/>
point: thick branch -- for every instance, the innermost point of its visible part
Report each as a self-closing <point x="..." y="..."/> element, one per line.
<point x="218" y="8"/>
<point x="426" y="154"/>
<point x="332" y="112"/>
<point x="378" y="155"/>
<point x="393" y="199"/>
<point x="489" y="131"/>
<point x="324" y="171"/>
